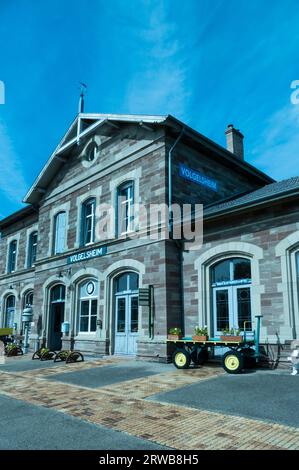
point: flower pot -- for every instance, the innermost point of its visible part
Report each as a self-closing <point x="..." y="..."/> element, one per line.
<point x="200" y="338"/>
<point x="174" y="337"/>
<point x="236" y="339"/>
<point x="12" y="352"/>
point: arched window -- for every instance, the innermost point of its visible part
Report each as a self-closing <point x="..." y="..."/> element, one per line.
<point x="125" y="208"/>
<point x="231" y="289"/>
<point x="12" y="256"/>
<point x="58" y="293"/>
<point x="231" y="271"/>
<point x="59" y="233"/>
<point x="28" y="299"/>
<point x="32" y="249"/>
<point x="88" y="222"/>
<point x="10" y="305"/>
<point x="127" y="282"/>
<point x="88" y="306"/>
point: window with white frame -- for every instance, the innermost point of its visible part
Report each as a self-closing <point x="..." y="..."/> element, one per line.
<point x="32" y="249"/>
<point x="88" y="305"/>
<point x="10" y="306"/>
<point x="12" y="256"/>
<point x="88" y="222"/>
<point x="125" y="208"/>
<point x="28" y="299"/>
<point x="60" y="233"/>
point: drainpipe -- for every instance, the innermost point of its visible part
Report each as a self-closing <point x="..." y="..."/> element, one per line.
<point x="179" y="244"/>
<point x="170" y="178"/>
<point x="180" y="247"/>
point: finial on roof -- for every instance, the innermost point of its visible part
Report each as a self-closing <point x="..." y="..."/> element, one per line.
<point x="81" y="99"/>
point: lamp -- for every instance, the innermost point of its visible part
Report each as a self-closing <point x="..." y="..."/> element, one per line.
<point x="26" y="318"/>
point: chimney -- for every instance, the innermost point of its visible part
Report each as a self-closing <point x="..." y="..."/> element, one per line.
<point x="234" y="141"/>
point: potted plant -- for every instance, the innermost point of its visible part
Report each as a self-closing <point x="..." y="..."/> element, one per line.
<point x="233" y="334"/>
<point x="11" y="349"/>
<point x="201" y="334"/>
<point x="174" y="334"/>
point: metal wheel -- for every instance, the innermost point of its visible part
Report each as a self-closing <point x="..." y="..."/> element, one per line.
<point x="233" y="362"/>
<point x="181" y="359"/>
<point x="74" y="356"/>
<point x="199" y="356"/>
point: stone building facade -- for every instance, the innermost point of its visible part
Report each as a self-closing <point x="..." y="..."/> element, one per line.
<point x="54" y="258"/>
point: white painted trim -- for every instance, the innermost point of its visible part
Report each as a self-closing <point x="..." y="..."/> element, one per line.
<point x="286" y="249"/>
<point x="16" y="237"/>
<point x="4" y="296"/>
<point x="29" y="231"/>
<point x="47" y="286"/>
<point x="85" y="163"/>
<point x="218" y="253"/>
<point x="107" y="302"/>
<point x="79" y="277"/>
<point x="28" y="288"/>
<point x="53" y="213"/>
<point x="133" y="175"/>
<point x="91" y="193"/>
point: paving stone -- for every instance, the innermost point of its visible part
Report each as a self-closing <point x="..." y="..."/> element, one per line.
<point x="123" y="407"/>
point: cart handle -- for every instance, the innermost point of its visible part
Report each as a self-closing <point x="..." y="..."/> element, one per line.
<point x="244" y="328"/>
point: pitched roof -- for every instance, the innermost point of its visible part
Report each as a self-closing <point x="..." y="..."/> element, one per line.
<point x="16" y="216"/>
<point x="277" y="190"/>
<point x="90" y="122"/>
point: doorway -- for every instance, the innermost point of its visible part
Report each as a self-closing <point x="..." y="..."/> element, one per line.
<point x="126" y="314"/>
<point x="56" y="317"/>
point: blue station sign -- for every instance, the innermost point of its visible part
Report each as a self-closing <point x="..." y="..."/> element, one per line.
<point x="87" y="254"/>
<point x="196" y="177"/>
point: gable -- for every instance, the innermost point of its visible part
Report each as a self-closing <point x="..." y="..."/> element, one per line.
<point x="82" y="128"/>
<point x="109" y="148"/>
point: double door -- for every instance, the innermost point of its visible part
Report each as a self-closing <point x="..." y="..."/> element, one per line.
<point x="232" y="307"/>
<point x="126" y="324"/>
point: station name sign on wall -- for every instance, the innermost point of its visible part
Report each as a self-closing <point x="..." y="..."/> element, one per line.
<point x="196" y="177"/>
<point x="88" y="254"/>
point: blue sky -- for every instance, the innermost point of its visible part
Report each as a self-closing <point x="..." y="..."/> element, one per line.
<point x="207" y="63"/>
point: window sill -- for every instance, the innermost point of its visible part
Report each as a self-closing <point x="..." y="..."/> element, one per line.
<point x="91" y="335"/>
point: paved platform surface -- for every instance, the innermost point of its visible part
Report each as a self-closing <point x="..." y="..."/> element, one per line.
<point x="40" y="428"/>
<point x="261" y="395"/>
<point x="137" y="407"/>
<point x="103" y="376"/>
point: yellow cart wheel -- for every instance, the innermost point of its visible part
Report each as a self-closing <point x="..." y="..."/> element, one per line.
<point x="233" y="362"/>
<point x="181" y="359"/>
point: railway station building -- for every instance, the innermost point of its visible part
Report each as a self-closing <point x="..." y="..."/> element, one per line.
<point x="122" y="292"/>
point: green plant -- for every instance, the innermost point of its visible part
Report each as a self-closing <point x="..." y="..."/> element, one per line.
<point x="63" y="354"/>
<point x="175" y="331"/>
<point x="201" y="331"/>
<point x="44" y="350"/>
<point x="11" y="347"/>
<point x="231" y="332"/>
